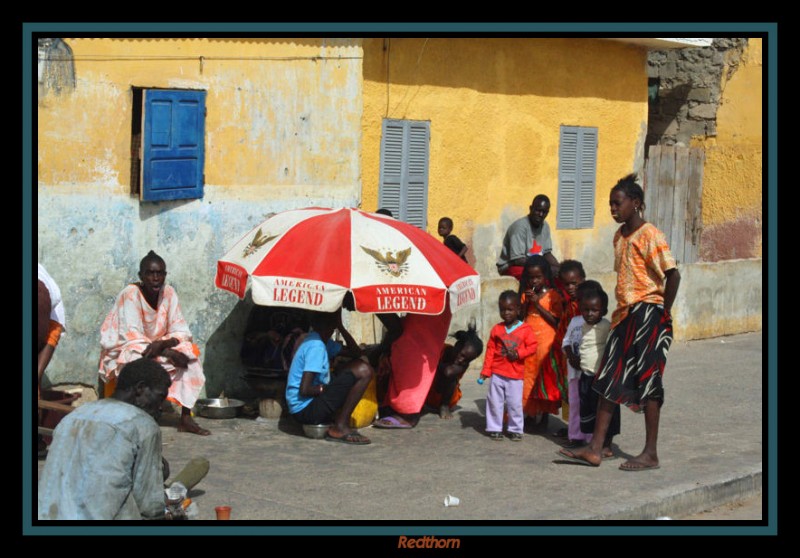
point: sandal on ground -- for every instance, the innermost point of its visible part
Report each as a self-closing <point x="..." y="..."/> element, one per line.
<point x="353" y="438"/>
<point x="515" y="436"/>
<point x="391" y="422"/>
<point x="496" y="436"/>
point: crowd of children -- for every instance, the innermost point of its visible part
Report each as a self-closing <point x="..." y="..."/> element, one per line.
<point x="554" y="349"/>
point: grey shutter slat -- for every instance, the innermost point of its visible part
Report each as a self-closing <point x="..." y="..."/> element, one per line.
<point x="567" y="178"/>
<point x="390" y="181"/>
<point x="403" y="187"/>
<point x="417" y="174"/>
<point x="577" y="170"/>
<point x="588" y="182"/>
<point x="416" y="206"/>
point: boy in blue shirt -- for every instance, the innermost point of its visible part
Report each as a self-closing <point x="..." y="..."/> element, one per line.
<point x="312" y="395"/>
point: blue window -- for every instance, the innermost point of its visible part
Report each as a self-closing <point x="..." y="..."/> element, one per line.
<point x="173" y="144"/>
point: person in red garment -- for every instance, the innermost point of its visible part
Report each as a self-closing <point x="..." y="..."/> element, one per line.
<point x="411" y="367"/>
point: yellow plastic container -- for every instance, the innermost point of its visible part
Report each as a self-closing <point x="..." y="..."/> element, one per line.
<point x="367" y="408"/>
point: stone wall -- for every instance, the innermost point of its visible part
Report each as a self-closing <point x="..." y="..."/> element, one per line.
<point x="690" y="84"/>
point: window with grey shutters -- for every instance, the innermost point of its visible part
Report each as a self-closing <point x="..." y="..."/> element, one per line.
<point x="403" y="187"/>
<point x="577" y="173"/>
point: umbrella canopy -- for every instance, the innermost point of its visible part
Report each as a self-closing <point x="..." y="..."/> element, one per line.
<point x="310" y="258"/>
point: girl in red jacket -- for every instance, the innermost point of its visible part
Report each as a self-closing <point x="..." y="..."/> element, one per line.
<point x="509" y="343"/>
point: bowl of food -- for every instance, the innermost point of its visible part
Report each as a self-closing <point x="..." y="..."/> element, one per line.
<point x="220" y="408"/>
<point x="316" y="431"/>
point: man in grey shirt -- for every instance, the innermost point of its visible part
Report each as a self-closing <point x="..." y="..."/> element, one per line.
<point x="527" y="236"/>
<point x="105" y="459"/>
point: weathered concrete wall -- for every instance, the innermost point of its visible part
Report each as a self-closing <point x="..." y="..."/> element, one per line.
<point x="732" y="176"/>
<point x="712" y="98"/>
<point x="283" y="131"/>
<point x="721" y="298"/>
<point x="496" y="107"/>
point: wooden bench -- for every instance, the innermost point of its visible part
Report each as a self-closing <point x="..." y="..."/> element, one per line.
<point x="52" y="406"/>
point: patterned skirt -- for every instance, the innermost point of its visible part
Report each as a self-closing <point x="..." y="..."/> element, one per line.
<point x="633" y="362"/>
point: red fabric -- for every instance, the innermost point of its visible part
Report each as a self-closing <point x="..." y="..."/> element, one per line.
<point x="415" y="356"/>
<point x="299" y="248"/>
<point x="515" y="271"/>
<point x="540" y="393"/>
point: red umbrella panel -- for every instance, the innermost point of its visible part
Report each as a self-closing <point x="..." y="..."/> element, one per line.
<point x="310" y="258"/>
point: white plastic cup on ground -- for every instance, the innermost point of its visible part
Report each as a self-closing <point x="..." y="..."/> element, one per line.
<point x="450" y="501"/>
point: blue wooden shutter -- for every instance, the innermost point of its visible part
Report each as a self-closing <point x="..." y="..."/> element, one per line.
<point x="403" y="185"/>
<point x="173" y="145"/>
<point x="577" y="170"/>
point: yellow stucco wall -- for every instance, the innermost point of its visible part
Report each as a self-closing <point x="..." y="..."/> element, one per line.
<point x="732" y="176"/>
<point x="495" y="107"/>
<point x="269" y="130"/>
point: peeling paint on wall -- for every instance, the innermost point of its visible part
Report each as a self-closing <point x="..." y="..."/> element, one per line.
<point x="92" y="233"/>
<point x="731" y="240"/>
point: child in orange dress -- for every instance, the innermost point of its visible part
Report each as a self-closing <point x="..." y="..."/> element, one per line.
<point x="570" y="275"/>
<point x="542" y="307"/>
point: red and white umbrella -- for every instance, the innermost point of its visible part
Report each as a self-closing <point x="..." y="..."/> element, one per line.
<point x="310" y="258"/>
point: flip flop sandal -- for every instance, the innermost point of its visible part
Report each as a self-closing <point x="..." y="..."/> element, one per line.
<point x="352" y="438"/>
<point x="638" y="468"/>
<point x="391" y="423"/>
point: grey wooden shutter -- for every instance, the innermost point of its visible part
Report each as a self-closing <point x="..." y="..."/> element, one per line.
<point x="577" y="171"/>
<point x="403" y="187"/>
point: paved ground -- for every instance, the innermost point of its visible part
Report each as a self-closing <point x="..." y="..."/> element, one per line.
<point x="749" y="509"/>
<point x="710" y="446"/>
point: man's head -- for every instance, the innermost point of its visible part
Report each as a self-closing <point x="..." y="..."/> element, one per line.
<point x="540" y="207"/>
<point x="143" y="383"/>
<point x="324" y="323"/>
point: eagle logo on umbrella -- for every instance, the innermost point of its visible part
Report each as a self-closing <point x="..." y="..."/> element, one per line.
<point x="259" y="240"/>
<point x="393" y="264"/>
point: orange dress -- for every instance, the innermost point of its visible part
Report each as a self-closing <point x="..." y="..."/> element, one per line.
<point x="540" y="393"/>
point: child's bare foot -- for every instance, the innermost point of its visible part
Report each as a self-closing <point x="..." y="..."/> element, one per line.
<point x="187" y="424"/>
<point x="607" y="453"/>
<point x="444" y="412"/>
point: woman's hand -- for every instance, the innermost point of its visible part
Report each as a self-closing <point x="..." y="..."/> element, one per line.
<point x="178" y="360"/>
<point x="157" y="348"/>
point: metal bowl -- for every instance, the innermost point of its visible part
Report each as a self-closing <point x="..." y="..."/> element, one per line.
<point x="222" y="408"/>
<point x="316" y="431"/>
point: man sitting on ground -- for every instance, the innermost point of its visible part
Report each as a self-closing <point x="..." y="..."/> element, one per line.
<point x="312" y="395"/>
<point x="105" y="459"/>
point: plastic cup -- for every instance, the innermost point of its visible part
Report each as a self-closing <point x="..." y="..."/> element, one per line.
<point x="223" y="512"/>
<point x="450" y="501"/>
